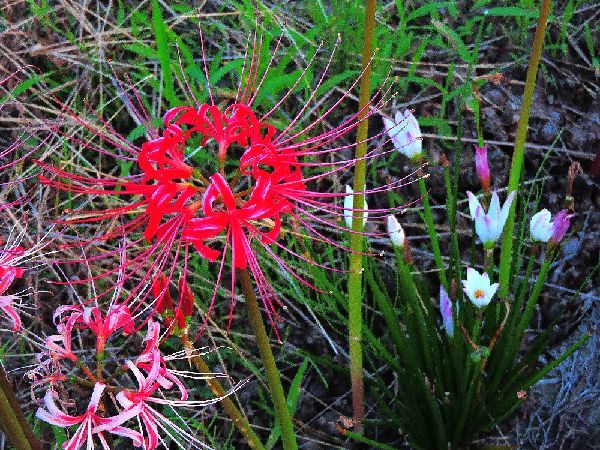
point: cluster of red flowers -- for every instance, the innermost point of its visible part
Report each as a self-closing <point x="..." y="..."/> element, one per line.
<point x="226" y="209"/>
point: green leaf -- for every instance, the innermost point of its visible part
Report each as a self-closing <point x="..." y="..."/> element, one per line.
<point x="22" y="87"/>
<point x="60" y="436"/>
<point x="142" y="50"/>
<point x="292" y="403"/>
<point x="160" y="32"/>
<point x="427" y="9"/>
<point x="455" y="40"/>
<point x="511" y="11"/>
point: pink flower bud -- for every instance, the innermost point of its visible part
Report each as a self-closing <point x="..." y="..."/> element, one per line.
<point x="482" y="167"/>
<point x="562" y="221"/>
<point x="446" y="310"/>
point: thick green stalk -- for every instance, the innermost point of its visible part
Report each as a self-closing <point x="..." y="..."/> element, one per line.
<point x="519" y="149"/>
<point x="13" y="421"/>
<point x="356" y="239"/>
<point x="433" y="237"/>
<point x="273" y="378"/>
<point x="229" y="407"/>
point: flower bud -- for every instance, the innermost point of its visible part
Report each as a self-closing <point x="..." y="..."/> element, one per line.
<point x="482" y="167"/>
<point x="186" y="298"/>
<point x="446" y="311"/>
<point x="562" y="222"/>
<point x="540" y="226"/>
<point x="160" y="292"/>
<point x="395" y="231"/>
<point x="349" y="208"/>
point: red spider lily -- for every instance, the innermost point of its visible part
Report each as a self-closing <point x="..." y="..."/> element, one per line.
<point x="177" y="206"/>
<point x="90" y="423"/>
<point x="164" y="305"/>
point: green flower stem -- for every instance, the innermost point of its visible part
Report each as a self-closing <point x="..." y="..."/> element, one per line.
<point x="12" y="420"/>
<point x="273" y="378"/>
<point x="519" y="149"/>
<point x="531" y="302"/>
<point x="229" y="407"/>
<point x="356" y="239"/>
<point x="433" y="236"/>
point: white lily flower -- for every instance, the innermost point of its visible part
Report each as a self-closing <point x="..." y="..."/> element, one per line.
<point x="395" y="231"/>
<point x="540" y="227"/>
<point x="488" y="226"/>
<point x="478" y="288"/>
<point x="349" y="206"/>
<point x="405" y="133"/>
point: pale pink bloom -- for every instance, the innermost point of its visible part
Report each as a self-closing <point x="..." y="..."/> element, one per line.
<point x="482" y="167"/>
<point x="8" y="273"/>
<point x="544" y="230"/>
<point x="478" y="288"/>
<point x="540" y="226"/>
<point x="90" y="424"/>
<point x="405" y="133"/>
<point x="489" y="226"/>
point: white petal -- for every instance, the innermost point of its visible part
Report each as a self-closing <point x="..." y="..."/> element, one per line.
<point x="494" y="209"/>
<point x="96" y="395"/>
<point x="389" y="125"/>
<point x="348" y="203"/>
<point x="473" y="204"/>
<point x="506" y="209"/>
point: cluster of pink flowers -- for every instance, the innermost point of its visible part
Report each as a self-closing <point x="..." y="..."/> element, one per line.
<point x="136" y="382"/>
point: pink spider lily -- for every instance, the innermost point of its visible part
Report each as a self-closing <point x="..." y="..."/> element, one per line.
<point x="148" y="366"/>
<point x="261" y="179"/>
<point x="7" y="307"/>
<point x="12" y="257"/>
<point x="102" y="326"/>
<point x="8" y="273"/>
<point x="144" y="396"/>
<point x="90" y="423"/>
